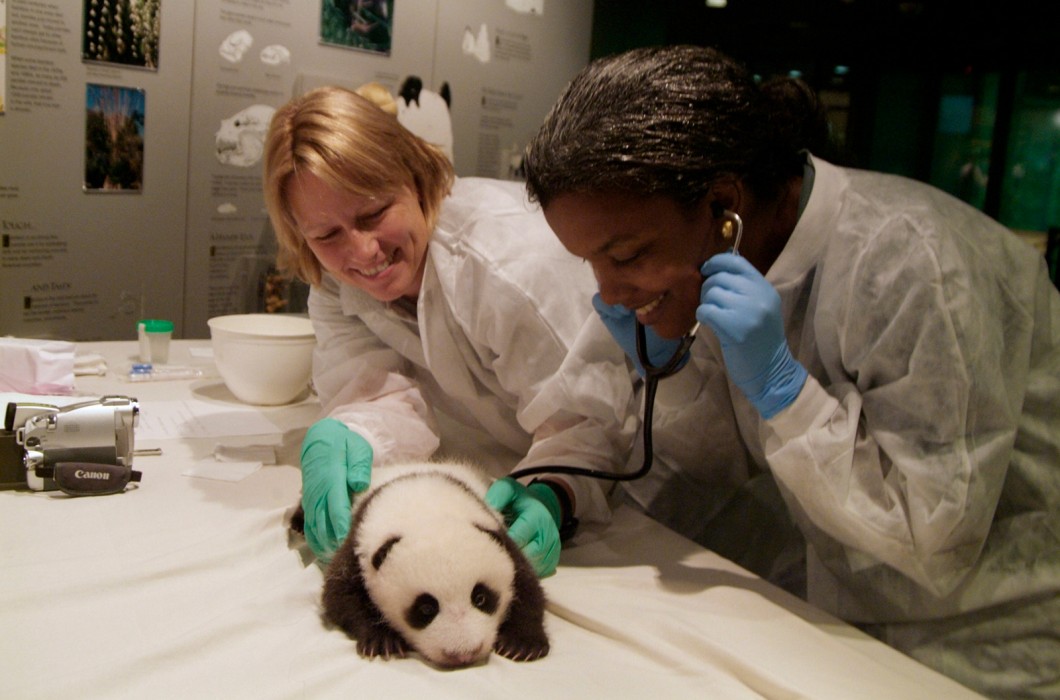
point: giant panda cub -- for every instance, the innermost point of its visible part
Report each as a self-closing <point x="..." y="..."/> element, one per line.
<point x="428" y="567"/>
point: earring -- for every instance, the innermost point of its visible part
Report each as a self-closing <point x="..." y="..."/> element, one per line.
<point x="726" y="230"/>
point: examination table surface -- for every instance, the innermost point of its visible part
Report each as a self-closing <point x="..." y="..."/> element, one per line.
<point x="190" y="587"/>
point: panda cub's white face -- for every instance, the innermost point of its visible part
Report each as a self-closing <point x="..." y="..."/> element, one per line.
<point x="444" y="583"/>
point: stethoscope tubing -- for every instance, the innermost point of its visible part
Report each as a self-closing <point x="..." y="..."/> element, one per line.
<point x="651" y="384"/>
<point x="652" y="375"/>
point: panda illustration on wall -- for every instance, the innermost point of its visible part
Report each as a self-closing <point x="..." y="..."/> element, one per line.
<point x="426" y="113"/>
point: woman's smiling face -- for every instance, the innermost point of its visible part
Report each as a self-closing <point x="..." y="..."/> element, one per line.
<point x="376" y="244"/>
<point x="645" y="252"/>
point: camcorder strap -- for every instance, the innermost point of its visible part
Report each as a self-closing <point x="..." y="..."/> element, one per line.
<point x="89" y="478"/>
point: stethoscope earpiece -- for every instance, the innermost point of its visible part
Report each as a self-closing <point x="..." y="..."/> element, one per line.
<point x="732" y="227"/>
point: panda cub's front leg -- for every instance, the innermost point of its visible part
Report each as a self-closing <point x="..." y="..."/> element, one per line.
<point x="348" y="605"/>
<point x="522" y="636"/>
<point x="381" y="640"/>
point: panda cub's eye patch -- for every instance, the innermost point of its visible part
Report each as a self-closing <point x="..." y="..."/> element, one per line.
<point x="484" y="598"/>
<point x="422" y="611"/>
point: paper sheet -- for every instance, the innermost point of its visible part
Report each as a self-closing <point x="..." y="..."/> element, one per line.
<point x="221" y="471"/>
<point x="171" y="420"/>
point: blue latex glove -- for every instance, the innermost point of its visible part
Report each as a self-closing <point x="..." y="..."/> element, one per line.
<point x="336" y="463"/>
<point x="743" y="309"/>
<point x="535" y="514"/>
<point x="622" y="324"/>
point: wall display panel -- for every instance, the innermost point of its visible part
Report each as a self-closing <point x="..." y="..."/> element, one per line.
<point x="506" y="63"/>
<point x="250" y="58"/>
<point x="190" y="239"/>
<point x="77" y="263"/>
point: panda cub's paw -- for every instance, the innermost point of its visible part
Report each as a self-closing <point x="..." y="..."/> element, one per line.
<point x="384" y="642"/>
<point x="526" y="647"/>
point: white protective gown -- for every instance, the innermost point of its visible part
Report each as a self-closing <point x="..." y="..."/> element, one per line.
<point x="482" y="368"/>
<point x="922" y="458"/>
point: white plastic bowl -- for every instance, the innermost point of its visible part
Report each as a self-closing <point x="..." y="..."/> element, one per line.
<point x="264" y="359"/>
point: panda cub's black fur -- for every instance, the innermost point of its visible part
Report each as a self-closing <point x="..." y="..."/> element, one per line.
<point x="429" y="567"/>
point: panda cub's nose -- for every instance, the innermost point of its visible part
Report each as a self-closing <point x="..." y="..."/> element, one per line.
<point x="461" y="658"/>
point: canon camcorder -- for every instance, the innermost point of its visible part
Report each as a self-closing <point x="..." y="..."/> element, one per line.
<point x="82" y="449"/>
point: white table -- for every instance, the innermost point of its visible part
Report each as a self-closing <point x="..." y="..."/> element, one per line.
<point x="188" y="587"/>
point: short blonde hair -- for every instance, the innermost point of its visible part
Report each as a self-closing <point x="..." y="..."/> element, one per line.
<point x="352" y="145"/>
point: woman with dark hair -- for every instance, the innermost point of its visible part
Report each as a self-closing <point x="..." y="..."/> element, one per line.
<point x="884" y="354"/>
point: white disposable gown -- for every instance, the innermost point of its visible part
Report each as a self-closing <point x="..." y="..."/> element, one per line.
<point x="922" y="458"/>
<point x="481" y="369"/>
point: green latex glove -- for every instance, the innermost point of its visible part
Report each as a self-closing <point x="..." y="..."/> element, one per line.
<point x="336" y="463"/>
<point x="534" y="513"/>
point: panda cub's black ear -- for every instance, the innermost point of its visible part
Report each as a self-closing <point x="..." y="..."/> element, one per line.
<point x="384" y="549"/>
<point x="498" y="536"/>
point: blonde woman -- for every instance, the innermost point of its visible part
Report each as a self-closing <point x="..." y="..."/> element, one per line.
<point x="444" y="310"/>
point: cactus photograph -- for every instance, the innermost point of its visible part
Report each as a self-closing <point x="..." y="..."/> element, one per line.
<point x="114" y="138"/>
<point x="122" y="31"/>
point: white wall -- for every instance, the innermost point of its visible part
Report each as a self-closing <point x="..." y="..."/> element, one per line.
<point x="193" y="242"/>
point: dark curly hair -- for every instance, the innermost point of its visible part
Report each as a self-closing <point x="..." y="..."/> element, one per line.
<point x="672" y="121"/>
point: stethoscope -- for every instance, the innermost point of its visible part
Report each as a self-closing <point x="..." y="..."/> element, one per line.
<point x="652" y="374"/>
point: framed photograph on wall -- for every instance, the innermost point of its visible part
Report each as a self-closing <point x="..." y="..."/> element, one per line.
<point x="3" y="53"/>
<point x="121" y="31"/>
<point x="365" y="25"/>
<point x="114" y="139"/>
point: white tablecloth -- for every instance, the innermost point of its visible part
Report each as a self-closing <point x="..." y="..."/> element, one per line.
<point x="189" y="587"/>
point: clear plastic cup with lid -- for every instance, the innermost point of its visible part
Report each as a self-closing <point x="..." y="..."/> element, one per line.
<point x="154" y="336"/>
